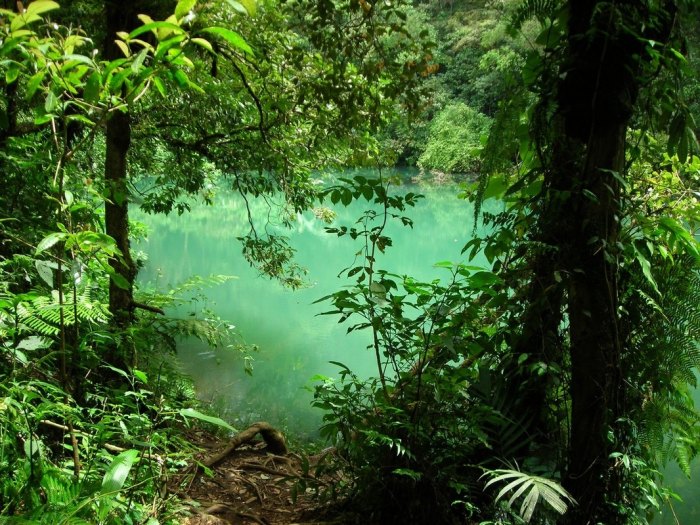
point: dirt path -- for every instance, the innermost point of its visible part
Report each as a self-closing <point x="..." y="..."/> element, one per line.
<point x="251" y="486"/>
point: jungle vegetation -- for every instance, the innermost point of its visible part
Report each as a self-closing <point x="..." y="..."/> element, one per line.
<point x="549" y="387"/>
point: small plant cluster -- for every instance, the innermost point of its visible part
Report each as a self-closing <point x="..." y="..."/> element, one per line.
<point x="464" y="419"/>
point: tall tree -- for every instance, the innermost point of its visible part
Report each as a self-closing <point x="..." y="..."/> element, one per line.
<point x="587" y="106"/>
<point x="119" y="16"/>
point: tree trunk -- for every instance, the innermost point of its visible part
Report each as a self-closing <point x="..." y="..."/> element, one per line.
<point x="596" y="91"/>
<point x="596" y="95"/>
<point x="117" y="217"/>
<point x="119" y="16"/>
<point x="595" y="347"/>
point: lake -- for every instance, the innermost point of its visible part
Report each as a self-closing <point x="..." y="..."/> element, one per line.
<point x="294" y="342"/>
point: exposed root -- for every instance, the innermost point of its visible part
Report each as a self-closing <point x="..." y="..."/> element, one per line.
<point x="273" y="438"/>
<point x="263" y="468"/>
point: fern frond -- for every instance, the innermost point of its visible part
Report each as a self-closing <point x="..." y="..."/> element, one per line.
<point x="529" y="9"/>
<point x="43" y="314"/>
<point x="179" y="294"/>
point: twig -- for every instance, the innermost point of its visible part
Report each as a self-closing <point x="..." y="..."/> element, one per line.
<point x="148" y="307"/>
<point x="76" y="453"/>
<point x="74" y="433"/>
<point x="254" y="486"/>
<point x="263" y="468"/>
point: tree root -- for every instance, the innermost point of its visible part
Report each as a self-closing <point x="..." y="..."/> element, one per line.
<point x="263" y="468"/>
<point x="272" y="437"/>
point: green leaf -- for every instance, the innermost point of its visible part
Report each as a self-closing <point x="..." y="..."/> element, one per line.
<point x="231" y="37"/>
<point x="124" y="48"/>
<point x="119" y="280"/>
<point x="11" y="74"/>
<point x="678" y="234"/>
<point x="164" y="47"/>
<point x="159" y="86"/>
<point x="646" y="270"/>
<point x="45" y="271"/>
<point x="484" y="278"/>
<point x="245" y="7"/>
<point x="191" y="412"/>
<point x="346" y="197"/>
<point x="73" y="59"/>
<point x="51" y="102"/>
<point x="537" y="489"/>
<point x="181" y="78"/>
<point x="203" y="42"/>
<point x="141" y="376"/>
<point x="118" y="471"/>
<point x="408" y="473"/>
<point x="138" y="60"/>
<point x="22" y="358"/>
<point x="496" y="187"/>
<point x="33" y="342"/>
<point x="156" y="25"/>
<point x="118" y="371"/>
<point x="41" y="6"/>
<point x="34" y="82"/>
<point x="91" y="93"/>
<point x="20" y="21"/>
<point x="183" y="7"/>
<point x="32" y="447"/>
<point x="48" y="241"/>
<point x="377" y="288"/>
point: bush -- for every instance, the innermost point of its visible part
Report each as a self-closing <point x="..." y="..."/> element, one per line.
<point x="454" y="140"/>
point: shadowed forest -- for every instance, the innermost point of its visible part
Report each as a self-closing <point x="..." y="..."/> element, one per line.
<point x="544" y="372"/>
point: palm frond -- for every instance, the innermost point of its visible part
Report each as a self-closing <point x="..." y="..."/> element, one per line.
<point x="532" y="489"/>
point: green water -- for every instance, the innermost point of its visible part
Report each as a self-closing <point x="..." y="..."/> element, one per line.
<point x="294" y="342"/>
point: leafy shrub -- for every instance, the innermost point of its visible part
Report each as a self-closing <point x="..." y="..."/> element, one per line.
<point x="454" y="141"/>
<point x="414" y="436"/>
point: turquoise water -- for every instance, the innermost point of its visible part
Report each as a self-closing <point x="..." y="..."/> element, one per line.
<point x="294" y="342"/>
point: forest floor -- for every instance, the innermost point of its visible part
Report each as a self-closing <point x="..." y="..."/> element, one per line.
<point x="251" y="486"/>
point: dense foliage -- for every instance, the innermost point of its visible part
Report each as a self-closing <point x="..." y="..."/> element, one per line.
<point x="553" y="380"/>
<point x="572" y="357"/>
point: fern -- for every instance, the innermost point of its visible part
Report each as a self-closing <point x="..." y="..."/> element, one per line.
<point x="42" y="314"/>
<point x="60" y="492"/>
<point x="663" y="358"/>
<point x="178" y="295"/>
<point x="529" y="9"/>
<point x="209" y="328"/>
